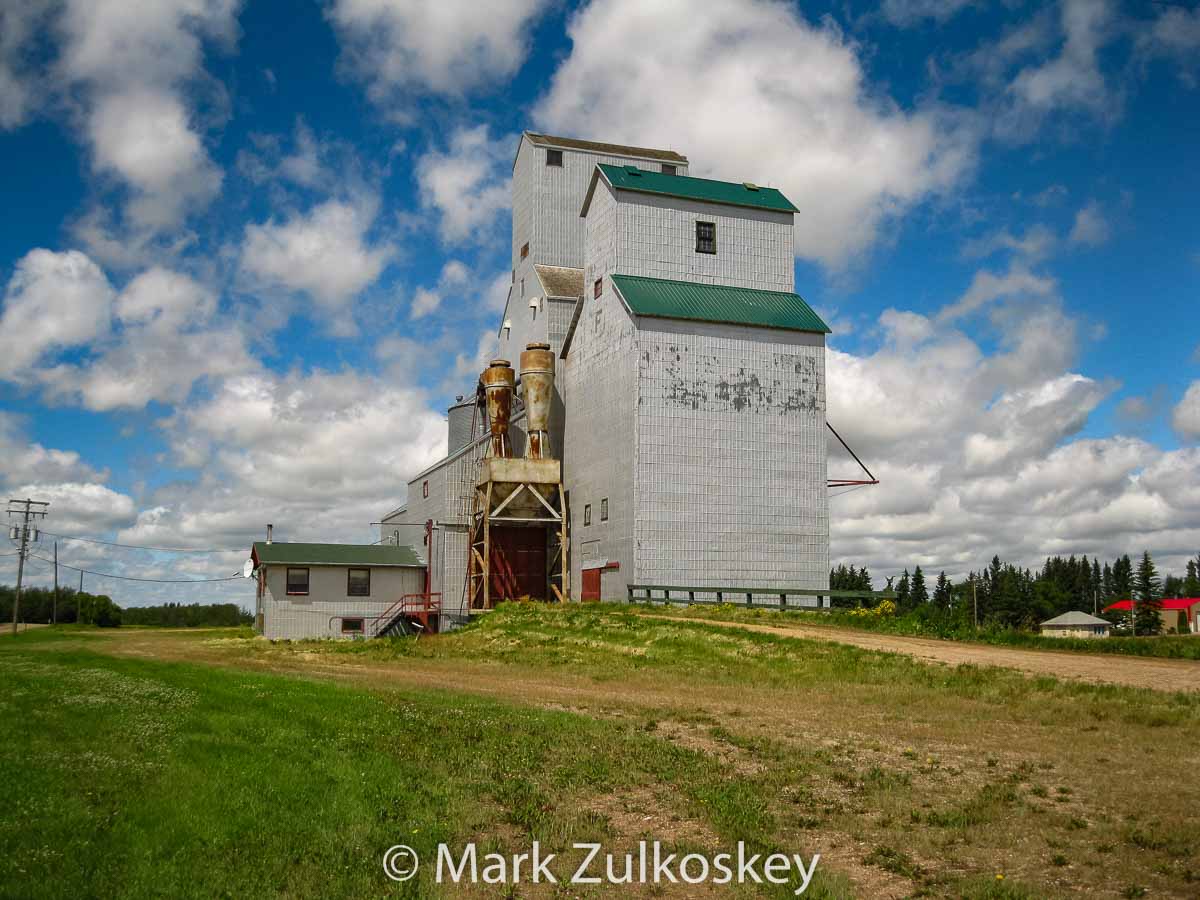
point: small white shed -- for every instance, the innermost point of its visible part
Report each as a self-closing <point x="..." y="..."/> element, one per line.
<point x="1075" y="624"/>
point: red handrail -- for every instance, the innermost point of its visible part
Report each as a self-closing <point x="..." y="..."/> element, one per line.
<point x="421" y="605"/>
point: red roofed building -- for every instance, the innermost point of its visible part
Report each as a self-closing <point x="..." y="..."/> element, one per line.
<point x="1176" y="612"/>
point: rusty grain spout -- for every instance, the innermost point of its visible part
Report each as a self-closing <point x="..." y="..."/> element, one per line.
<point x="498" y="381"/>
<point x="537" y="380"/>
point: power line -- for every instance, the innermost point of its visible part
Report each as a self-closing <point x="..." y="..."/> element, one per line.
<point x="68" y="537"/>
<point x="132" y="578"/>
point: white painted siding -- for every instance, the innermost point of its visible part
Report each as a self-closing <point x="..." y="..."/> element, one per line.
<point x="318" y="614"/>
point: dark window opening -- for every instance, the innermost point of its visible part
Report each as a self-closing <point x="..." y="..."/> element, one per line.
<point x="352" y="626"/>
<point x="525" y="250"/>
<point x="604" y="510"/>
<point x="554" y="158"/>
<point x="358" y="582"/>
<point x="297" y="582"/>
<point x="706" y="237"/>
<point x="587" y="514"/>
<point x="668" y="169"/>
<point x="598" y="287"/>
<point x="424" y="488"/>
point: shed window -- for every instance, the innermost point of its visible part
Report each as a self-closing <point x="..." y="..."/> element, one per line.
<point x="358" y="582"/>
<point x="587" y="514"/>
<point x="598" y="287"/>
<point x="668" y="169"/>
<point x="604" y="510"/>
<point x="424" y="488"/>
<point x="352" y="626"/>
<point x="554" y="158"/>
<point x="297" y="582"/>
<point x="525" y="250"/>
<point x="706" y="237"/>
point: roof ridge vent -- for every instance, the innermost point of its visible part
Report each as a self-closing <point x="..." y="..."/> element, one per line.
<point x="750" y="185"/>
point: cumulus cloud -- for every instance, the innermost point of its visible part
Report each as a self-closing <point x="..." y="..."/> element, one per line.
<point x="906" y="13"/>
<point x="756" y="93"/>
<point x="1034" y="244"/>
<point x="980" y="454"/>
<point x="451" y="47"/>
<point x="19" y="88"/>
<point x="987" y="287"/>
<point x="467" y="185"/>
<point x="1072" y="78"/>
<point x="1186" y="417"/>
<point x="1091" y="228"/>
<point x="131" y="65"/>
<point x="325" y="253"/>
<point x="53" y="301"/>
<point x="1175" y="35"/>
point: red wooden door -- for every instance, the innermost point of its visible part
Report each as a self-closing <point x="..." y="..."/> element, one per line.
<point x="518" y="563"/>
<point x="591" y="584"/>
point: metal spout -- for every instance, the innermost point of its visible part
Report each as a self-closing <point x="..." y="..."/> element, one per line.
<point x="498" y="381"/>
<point x="537" y="380"/>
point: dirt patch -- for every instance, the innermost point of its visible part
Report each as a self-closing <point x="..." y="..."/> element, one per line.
<point x="1133" y="671"/>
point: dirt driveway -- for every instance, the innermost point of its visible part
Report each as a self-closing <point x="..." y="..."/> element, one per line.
<point x="1135" y="671"/>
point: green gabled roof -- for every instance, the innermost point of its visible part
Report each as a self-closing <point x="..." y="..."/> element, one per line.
<point x="336" y="554"/>
<point x="662" y="298"/>
<point x="631" y="178"/>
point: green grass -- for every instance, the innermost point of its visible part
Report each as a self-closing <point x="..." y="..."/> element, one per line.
<point x="139" y="778"/>
<point x="1167" y="646"/>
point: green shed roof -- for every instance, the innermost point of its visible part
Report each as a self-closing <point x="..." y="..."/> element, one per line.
<point x="631" y="178"/>
<point x="662" y="298"/>
<point x="336" y="554"/>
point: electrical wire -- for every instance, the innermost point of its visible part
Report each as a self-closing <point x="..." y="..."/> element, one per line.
<point x="132" y="578"/>
<point x="69" y="537"/>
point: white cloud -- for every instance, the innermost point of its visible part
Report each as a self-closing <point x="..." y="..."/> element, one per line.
<point x="468" y="185"/>
<point x="755" y="93"/>
<point x="905" y="13"/>
<point x="1091" y="228"/>
<point x="325" y="253"/>
<point x="988" y="287"/>
<point x="425" y="302"/>
<point x="1186" y="418"/>
<point x="1174" y="34"/>
<point x="979" y="454"/>
<point x="1036" y="243"/>
<point x="53" y="301"/>
<point x="450" y="47"/>
<point x="132" y="64"/>
<point x="19" y="88"/>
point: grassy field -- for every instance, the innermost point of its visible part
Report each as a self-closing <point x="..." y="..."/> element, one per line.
<point x="214" y="764"/>
<point x="1167" y="646"/>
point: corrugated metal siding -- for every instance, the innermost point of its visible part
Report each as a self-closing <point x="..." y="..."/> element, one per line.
<point x="718" y="303"/>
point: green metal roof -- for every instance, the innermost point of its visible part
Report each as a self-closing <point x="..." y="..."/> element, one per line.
<point x="666" y="299"/>
<point x="336" y="554"/>
<point x="631" y="178"/>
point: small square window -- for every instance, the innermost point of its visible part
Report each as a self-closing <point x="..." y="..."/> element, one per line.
<point x="525" y="250"/>
<point x="554" y="158"/>
<point x="297" y="582"/>
<point x="424" y="488"/>
<point x="358" y="582"/>
<point x="587" y="514"/>
<point x="598" y="287"/>
<point x="706" y="237"/>
<point x="604" y="510"/>
<point x="352" y="626"/>
<point x="668" y="169"/>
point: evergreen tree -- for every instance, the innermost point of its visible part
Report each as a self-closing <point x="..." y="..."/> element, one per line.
<point x="1107" y="591"/>
<point x="1147" y="617"/>
<point x="1123" y="578"/>
<point x="1191" y="583"/>
<point x="919" y="594"/>
<point x="941" y="592"/>
<point x="902" y="593"/>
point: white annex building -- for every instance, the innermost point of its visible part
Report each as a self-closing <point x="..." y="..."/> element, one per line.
<point x="689" y="397"/>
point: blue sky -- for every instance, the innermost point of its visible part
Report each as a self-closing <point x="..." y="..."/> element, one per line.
<point x="253" y="249"/>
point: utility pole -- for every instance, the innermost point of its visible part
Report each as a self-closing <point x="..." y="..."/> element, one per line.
<point x="24" y="509"/>
<point x="975" y="601"/>
<point x="79" y="600"/>
<point x="54" y="613"/>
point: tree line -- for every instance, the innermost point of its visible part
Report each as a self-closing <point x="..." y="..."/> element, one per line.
<point x="38" y="605"/>
<point x="1007" y="596"/>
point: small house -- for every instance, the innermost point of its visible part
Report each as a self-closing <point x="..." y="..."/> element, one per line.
<point x="1075" y="624"/>
<point x="332" y="590"/>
